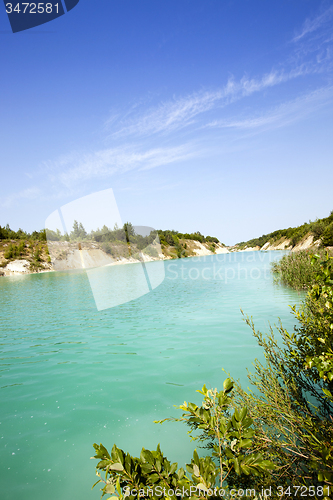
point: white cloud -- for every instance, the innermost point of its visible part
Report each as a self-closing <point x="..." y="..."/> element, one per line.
<point x="311" y="25"/>
<point x="29" y="194"/>
<point x="281" y="115"/>
<point x="177" y="114"/>
<point x="76" y="168"/>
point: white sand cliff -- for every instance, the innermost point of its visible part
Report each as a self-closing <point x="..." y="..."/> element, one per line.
<point x="66" y="257"/>
<point x="201" y="249"/>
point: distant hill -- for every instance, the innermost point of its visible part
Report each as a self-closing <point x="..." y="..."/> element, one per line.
<point x="321" y="231"/>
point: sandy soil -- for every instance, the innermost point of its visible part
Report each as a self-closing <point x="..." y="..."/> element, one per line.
<point x="202" y="249"/>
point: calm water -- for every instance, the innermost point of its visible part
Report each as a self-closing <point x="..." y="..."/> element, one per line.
<point x="71" y="375"/>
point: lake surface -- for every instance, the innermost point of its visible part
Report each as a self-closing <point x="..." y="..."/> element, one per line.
<point x="71" y="375"/>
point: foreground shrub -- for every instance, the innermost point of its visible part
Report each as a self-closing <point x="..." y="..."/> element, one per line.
<point x="229" y="434"/>
<point x="292" y="406"/>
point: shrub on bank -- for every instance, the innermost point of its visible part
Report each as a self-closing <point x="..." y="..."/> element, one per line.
<point x="295" y="269"/>
<point x="327" y="237"/>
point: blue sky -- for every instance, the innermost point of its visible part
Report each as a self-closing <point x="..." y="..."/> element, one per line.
<point x="204" y="115"/>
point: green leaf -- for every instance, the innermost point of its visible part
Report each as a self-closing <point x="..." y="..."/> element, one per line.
<point x="147" y="456"/>
<point x="327" y="392"/>
<point x="196" y="458"/>
<point x="99" y="481"/>
<point x="196" y="470"/>
<point x="181" y="473"/>
<point x="249" y="434"/>
<point x="117" y="466"/>
<point x="153" y="478"/>
<point x="236" y="465"/>
<point x="243" y="413"/>
<point x="103" y="463"/>
<point x="173" y="468"/>
<point x="110" y="488"/>
<point x="228" y="385"/>
<point x="118" y="486"/>
<point x="245" y="443"/>
<point x="104" y="451"/>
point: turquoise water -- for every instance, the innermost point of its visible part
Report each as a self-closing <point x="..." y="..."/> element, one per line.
<point x="71" y="375"/>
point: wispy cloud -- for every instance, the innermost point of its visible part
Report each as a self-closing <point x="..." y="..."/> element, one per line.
<point x="281" y="115"/>
<point x="104" y="163"/>
<point x="311" y="25"/>
<point x="193" y="112"/>
<point x="31" y="193"/>
<point x="185" y="111"/>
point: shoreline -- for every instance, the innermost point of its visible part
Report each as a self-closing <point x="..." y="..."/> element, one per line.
<point x="75" y="260"/>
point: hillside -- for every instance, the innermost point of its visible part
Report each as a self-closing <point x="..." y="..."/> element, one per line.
<point x="318" y="234"/>
<point x="47" y="250"/>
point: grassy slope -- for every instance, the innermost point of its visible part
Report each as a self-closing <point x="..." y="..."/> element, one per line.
<point x="320" y="229"/>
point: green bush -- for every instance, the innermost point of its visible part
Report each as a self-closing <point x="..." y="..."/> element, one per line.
<point x="293" y="403"/>
<point x="151" y="251"/>
<point x="107" y="248"/>
<point x="317" y="229"/>
<point x="327" y="238"/>
<point x="15" y="251"/>
<point x="295" y="270"/>
<point x="10" y="252"/>
<point x="229" y="434"/>
<point x="36" y="254"/>
<point x="35" y="266"/>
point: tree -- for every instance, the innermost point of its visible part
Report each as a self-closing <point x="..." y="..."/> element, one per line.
<point x="129" y="231"/>
<point x="78" y="231"/>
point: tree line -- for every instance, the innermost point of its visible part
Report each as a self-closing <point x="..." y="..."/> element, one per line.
<point x="126" y="234"/>
<point x="6" y="233"/>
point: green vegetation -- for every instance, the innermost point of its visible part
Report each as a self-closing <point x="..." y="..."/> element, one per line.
<point x="296" y="270"/>
<point x="8" y="234"/>
<point x="168" y="237"/>
<point x="278" y="435"/>
<point x="106" y="235"/>
<point x="31" y="247"/>
<point x="117" y="242"/>
<point x="229" y="435"/>
<point x="320" y="228"/>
